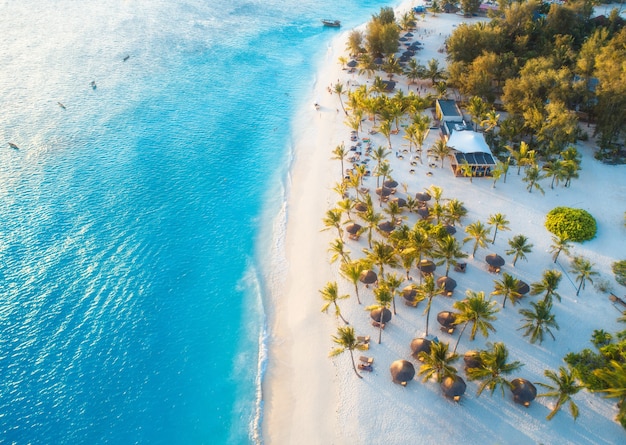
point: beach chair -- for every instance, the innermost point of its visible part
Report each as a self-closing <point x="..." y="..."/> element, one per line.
<point x="494" y="269"/>
<point x="364" y="367"/>
<point x="367" y="360"/>
<point x="376" y="324"/>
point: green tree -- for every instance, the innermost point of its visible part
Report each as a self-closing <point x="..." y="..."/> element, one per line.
<point x="333" y="219"/>
<point x="440" y="150"/>
<point x="347" y="341"/>
<point x="563" y="388"/>
<point x="548" y="285"/>
<point x="338" y="250"/>
<point x="477" y="311"/>
<point x="507" y="287"/>
<point x="583" y="269"/>
<point x="532" y="176"/>
<point x="499" y="222"/>
<point x="519" y="248"/>
<point x="477" y="108"/>
<point x="330" y="295"/>
<point x="383" y="302"/>
<point x="340" y="153"/>
<point x="339" y="91"/>
<point x="614" y="377"/>
<point x="477" y="232"/>
<point x="494" y="365"/>
<point x="437" y="362"/>
<point x="539" y="321"/>
<point x="560" y="243"/>
<point x="427" y="291"/>
<point x="351" y="271"/>
<point x="449" y="251"/>
<point x="381" y="254"/>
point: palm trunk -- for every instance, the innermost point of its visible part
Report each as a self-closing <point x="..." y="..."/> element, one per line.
<point x="380" y="328"/>
<point x="354" y="365"/>
<point x="494" y="235"/>
<point x="338" y="312"/>
<point x="428" y="315"/>
<point x="356" y="290"/>
<point x="393" y="302"/>
<point x="460" y="335"/>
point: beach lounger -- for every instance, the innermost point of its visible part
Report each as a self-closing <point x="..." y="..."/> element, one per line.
<point x="377" y="324"/>
<point x="460" y="267"/>
<point x="364" y="367"/>
<point x="367" y="360"/>
<point x="364" y="339"/>
<point x="494" y="269"/>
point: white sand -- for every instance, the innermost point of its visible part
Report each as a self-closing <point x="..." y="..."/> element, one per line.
<point x="310" y="398"/>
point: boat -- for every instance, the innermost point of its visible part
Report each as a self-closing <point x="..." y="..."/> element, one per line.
<point x="331" y="23"/>
<point x="13" y="146"/>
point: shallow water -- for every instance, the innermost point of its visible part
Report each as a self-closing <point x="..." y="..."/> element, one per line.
<point x="131" y="303"/>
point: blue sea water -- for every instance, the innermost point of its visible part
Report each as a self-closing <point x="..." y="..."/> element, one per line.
<point x="135" y="214"/>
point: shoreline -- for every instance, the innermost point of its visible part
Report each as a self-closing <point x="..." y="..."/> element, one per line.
<point x="310" y="398"/>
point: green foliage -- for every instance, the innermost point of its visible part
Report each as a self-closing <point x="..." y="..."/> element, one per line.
<point x="575" y="224"/>
<point x="619" y="269"/>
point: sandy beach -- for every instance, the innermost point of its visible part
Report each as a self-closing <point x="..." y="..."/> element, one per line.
<point x="310" y="398"/>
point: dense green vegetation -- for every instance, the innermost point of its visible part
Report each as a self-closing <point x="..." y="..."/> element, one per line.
<point x="573" y="224"/>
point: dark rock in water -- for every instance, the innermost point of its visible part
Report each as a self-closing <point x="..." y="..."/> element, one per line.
<point x="126" y="58"/>
<point x="93" y="84"/>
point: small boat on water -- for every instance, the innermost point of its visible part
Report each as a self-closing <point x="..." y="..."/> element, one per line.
<point x="331" y="23"/>
<point x="93" y="84"/>
<point x="13" y="146"/>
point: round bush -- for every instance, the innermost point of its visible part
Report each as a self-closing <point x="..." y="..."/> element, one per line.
<point x="574" y="224"/>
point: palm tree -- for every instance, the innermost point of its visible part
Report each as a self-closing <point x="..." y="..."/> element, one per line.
<point x="340" y="154"/>
<point x="330" y="294"/>
<point x="493" y="367"/>
<point x="427" y="291"/>
<point x="333" y="219"/>
<point x="532" y="177"/>
<point x="466" y="170"/>
<point x="338" y="249"/>
<point x="449" y="250"/>
<point x="436" y="192"/>
<point x="582" y="267"/>
<point x="477" y="108"/>
<point x="338" y="89"/>
<point x="422" y="127"/>
<point x="519" y="248"/>
<point x="539" y="321"/>
<point x="440" y="150"/>
<point x="383" y="301"/>
<point x="385" y="129"/>
<point x="614" y="377"/>
<point x="371" y="219"/>
<point x="454" y="211"/>
<point x="556" y="170"/>
<point x="417" y="244"/>
<point x="383" y="171"/>
<point x="521" y="156"/>
<point x="379" y="154"/>
<point x="559" y="244"/>
<point x="478" y="311"/>
<point x="490" y="120"/>
<point x="478" y="232"/>
<point x="381" y="254"/>
<point x="351" y="271"/>
<point x="392" y="282"/>
<point x="548" y="284"/>
<point x="433" y="71"/>
<point x="507" y="287"/>
<point x="499" y="222"/>
<point x="437" y="362"/>
<point x="347" y="341"/>
<point x="565" y="386"/>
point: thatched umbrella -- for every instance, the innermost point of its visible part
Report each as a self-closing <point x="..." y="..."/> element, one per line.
<point x="379" y="314"/>
<point x="353" y="228"/>
<point x="383" y="191"/>
<point x="400" y="201"/>
<point x="471" y="360"/>
<point x="352" y="63"/>
<point x="422" y="196"/>
<point x="523" y="391"/>
<point x="402" y="371"/>
<point x="423" y="212"/>
<point x="447" y="284"/>
<point x="360" y="206"/>
<point x="368" y="277"/>
<point x="420" y="345"/>
<point x="453" y="387"/>
<point x="522" y="288"/>
<point x="450" y="229"/>
<point x="427" y="266"/>
<point x="495" y="260"/>
<point x="446" y="319"/>
<point x="409" y="293"/>
<point x="387" y="226"/>
<point x="390" y="183"/>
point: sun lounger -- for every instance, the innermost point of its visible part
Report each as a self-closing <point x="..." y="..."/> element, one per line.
<point x="494" y="269"/>
<point x="460" y="267"/>
<point x="364" y="339"/>
<point x="447" y="330"/>
<point x="367" y="360"/>
<point x="364" y="367"/>
<point x="377" y="324"/>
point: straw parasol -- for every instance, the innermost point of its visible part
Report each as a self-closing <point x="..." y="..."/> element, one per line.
<point x="379" y="314"/>
<point x="353" y="228"/>
<point x="427" y="266"/>
<point x="400" y="201"/>
<point x="523" y="391"/>
<point x="402" y="371"/>
<point x="368" y="277"/>
<point x="495" y="260"/>
<point x="423" y="212"/>
<point x="446" y="283"/>
<point x="352" y="63"/>
<point x="450" y="229"/>
<point x="420" y="345"/>
<point x="522" y="287"/>
<point x="453" y="387"/>
<point x="360" y="206"/>
<point x="409" y="293"/>
<point x="383" y="191"/>
<point x="422" y="196"/>
<point x="471" y="360"/>
<point x="387" y="226"/>
<point x="446" y="319"/>
<point x="390" y="183"/>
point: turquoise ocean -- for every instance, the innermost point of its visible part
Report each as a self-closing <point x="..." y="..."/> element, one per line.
<point x="154" y="139"/>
